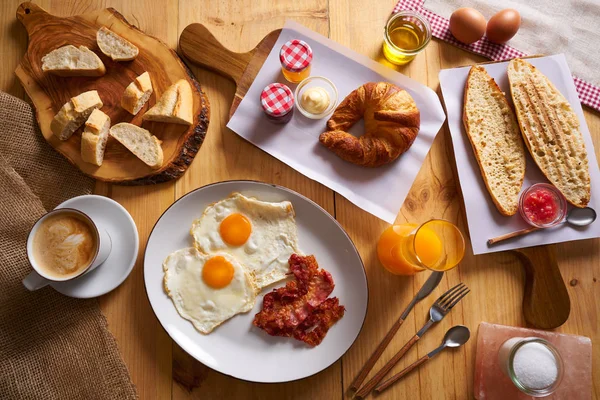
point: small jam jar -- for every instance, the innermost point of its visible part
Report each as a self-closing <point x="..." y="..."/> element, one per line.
<point x="296" y="58"/>
<point x="277" y="101"/>
<point x="542" y="205"/>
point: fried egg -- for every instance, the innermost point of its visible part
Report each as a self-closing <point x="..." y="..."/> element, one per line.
<point x="260" y="235"/>
<point x="208" y="289"/>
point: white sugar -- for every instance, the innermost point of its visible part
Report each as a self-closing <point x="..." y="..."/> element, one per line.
<point x="535" y="366"/>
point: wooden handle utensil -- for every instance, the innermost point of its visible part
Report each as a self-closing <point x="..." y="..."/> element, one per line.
<point x="455" y="337"/>
<point x="511" y="235"/>
<point x="428" y="287"/>
<point x="388" y="382"/>
<point x="366" y="389"/>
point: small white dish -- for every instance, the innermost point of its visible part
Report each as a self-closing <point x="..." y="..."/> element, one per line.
<point x="114" y="218"/>
<point x="237" y="348"/>
<point x="314" y="82"/>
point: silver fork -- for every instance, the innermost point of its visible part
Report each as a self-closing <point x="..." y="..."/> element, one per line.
<point x="437" y="312"/>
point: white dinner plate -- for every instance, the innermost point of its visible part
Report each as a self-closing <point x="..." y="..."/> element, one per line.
<point x="237" y="348"/>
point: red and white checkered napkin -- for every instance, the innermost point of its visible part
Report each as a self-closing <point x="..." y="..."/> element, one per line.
<point x="588" y="94"/>
<point x="295" y="55"/>
<point x="277" y="99"/>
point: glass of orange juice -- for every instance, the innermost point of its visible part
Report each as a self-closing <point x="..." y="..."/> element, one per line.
<point x="406" y="249"/>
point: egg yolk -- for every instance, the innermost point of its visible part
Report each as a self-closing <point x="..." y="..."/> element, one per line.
<point x="217" y="272"/>
<point x="235" y="229"/>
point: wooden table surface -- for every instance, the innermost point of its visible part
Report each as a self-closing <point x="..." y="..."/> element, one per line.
<point x="160" y="369"/>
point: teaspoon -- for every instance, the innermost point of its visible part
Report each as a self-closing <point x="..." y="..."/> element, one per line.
<point x="455" y="337"/>
<point x="576" y="217"/>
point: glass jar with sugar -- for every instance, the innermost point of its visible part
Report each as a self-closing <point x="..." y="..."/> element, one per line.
<point x="533" y="364"/>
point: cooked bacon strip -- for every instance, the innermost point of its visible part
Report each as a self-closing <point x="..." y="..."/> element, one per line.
<point x="287" y="307"/>
<point x="314" y="328"/>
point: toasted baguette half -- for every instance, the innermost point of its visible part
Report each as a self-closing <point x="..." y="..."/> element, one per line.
<point x="551" y="131"/>
<point x="115" y="46"/>
<point x="494" y="134"/>
<point x="94" y="137"/>
<point x="140" y="142"/>
<point x="174" y="106"/>
<point x="74" y="113"/>
<point x="137" y="94"/>
<point x="72" y="61"/>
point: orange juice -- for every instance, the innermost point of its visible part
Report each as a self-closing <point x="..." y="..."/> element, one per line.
<point x="409" y="248"/>
<point x="428" y="247"/>
<point x="391" y="247"/>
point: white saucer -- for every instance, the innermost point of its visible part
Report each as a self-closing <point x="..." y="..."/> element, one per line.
<point x="113" y="217"/>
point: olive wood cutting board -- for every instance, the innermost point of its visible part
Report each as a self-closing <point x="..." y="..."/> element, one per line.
<point x="49" y="93"/>
<point x="546" y="302"/>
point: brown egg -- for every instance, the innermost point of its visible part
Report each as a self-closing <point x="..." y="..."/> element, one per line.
<point x="467" y="25"/>
<point x="503" y="26"/>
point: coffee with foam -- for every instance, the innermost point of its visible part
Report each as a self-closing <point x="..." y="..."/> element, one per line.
<point x="64" y="245"/>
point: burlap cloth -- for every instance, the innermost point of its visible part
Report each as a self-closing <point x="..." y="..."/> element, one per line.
<point x="51" y="346"/>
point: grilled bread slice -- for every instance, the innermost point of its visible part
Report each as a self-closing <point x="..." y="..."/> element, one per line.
<point x="114" y="46"/>
<point x="74" y="113"/>
<point x="174" y="106"/>
<point x="140" y="142"/>
<point x="94" y="137"/>
<point x="551" y="131"/>
<point x="494" y="134"/>
<point x="72" y="61"/>
<point x="137" y="94"/>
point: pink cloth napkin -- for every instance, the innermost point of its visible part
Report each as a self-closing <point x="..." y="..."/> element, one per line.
<point x="589" y="94"/>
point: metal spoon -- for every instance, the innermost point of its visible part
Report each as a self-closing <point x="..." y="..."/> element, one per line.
<point x="576" y="217"/>
<point x="428" y="287"/>
<point x="455" y="337"/>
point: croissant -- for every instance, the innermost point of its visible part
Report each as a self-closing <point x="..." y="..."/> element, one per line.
<point x="392" y="123"/>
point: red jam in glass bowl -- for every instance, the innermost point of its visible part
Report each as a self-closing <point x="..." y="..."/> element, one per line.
<point x="542" y="205"/>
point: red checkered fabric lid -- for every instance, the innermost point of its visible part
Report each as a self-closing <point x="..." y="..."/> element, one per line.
<point x="295" y="55"/>
<point x="277" y="99"/>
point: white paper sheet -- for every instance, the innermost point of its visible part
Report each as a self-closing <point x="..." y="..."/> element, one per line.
<point x="483" y="218"/>
<point x="379" y="191"/>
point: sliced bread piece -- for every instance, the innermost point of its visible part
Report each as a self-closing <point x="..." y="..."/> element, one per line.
<point x="137" y="94"/>
<point x="74" y="113"/>
<point x="72" y="61"/>
<point x="140" y="142"/>
<point x="94" y="137"/>
<point x="550" y="128"/>
<point x="115" y="46"/>
<point x="494" y="134"/>
<point x="174" y="106"/>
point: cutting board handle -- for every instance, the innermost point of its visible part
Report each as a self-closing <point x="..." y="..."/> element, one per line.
<point x="29" y="14"/>
<point x="200" y="46"/>
<point x="546" y="302"/>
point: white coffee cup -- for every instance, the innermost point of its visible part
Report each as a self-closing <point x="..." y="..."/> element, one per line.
<point x="38" y="278"/>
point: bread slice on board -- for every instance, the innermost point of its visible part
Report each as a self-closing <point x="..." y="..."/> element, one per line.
<point x="115" y="46"/>
<point x="137" y="94"/>
<point x="94" y="137"/>
<point x="74" y="113"/>
<point x="140" y="142"/>
<point x="551" y="131"/>
<point x="174" y="106"/>
<point x="494" y="134"/>
<point x="72" y="61"/>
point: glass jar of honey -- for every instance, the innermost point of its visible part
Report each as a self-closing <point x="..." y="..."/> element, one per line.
<point x="406" y="35"/>
<point x="296" y="58"/>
